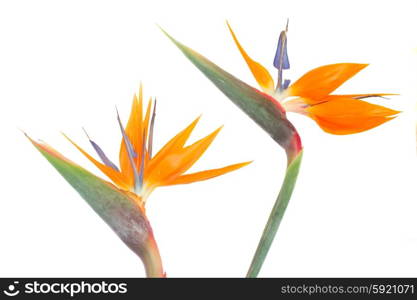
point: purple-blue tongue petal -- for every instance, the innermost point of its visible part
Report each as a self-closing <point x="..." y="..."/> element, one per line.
<point x="281" y="61"/>
<point x="101" y="153"/>
<point x="286" y="84"/>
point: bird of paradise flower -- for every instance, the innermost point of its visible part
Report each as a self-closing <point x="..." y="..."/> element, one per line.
<point x="311" y="95"/>
<point x="122" y="205"/>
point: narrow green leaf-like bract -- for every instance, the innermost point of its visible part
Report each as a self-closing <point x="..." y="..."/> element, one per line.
<point x="260" y="107"/>
<point x="114" y="206"/>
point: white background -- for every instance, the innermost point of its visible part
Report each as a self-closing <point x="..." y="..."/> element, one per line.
<point x="66" y="64"/>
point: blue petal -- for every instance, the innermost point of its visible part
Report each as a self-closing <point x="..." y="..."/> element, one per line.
<point x="101" y="154"/>
<point x="286" y="84"/>
<point x="281" y="52"/>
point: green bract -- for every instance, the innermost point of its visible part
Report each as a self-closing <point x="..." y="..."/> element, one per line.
<point x="114" y="206"/>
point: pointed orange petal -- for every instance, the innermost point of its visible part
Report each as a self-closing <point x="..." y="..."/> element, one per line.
<point x="320" y="82"/>
<point x="344" y="115"/>
<point x="145" y="125"/>
<point x="142" y="158"/>
<point x="178" y="162"/>
<point x="177" y="142"/>
<point x="114" y="176"/>
<point x="260" y="73"/>
<point x="204" y="175"/>
<point x="134" y="133"/>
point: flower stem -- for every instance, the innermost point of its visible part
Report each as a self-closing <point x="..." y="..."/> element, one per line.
<point x="152" y="260"/>
<point x="276" y="215"/>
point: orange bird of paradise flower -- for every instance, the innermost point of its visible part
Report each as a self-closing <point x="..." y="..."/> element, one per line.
<point x="311" y="95"/>
<point x="122" y="206"/>
<point x="141" y="172"/>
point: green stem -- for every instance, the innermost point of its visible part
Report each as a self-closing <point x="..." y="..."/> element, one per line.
<point x="152" y="260"/>
<point x="276" y="215"/>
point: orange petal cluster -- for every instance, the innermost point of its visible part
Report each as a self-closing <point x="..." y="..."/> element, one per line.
<point x="167" y="166"/>
<point x="311" y="95"/>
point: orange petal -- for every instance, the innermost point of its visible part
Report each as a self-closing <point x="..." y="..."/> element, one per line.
<point x="344" y="115"/>
<point x="178" y="162"/>
<point x="134" y="133"/>
<point x="320" y="82"/>
<point x="260" y="73"/>
<point x="114" y="176"/>
<point x="145" y="127"/>
<point x="204" y="175"/>
<point x="177" y="142"/>
<point x="151" y="133"/>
